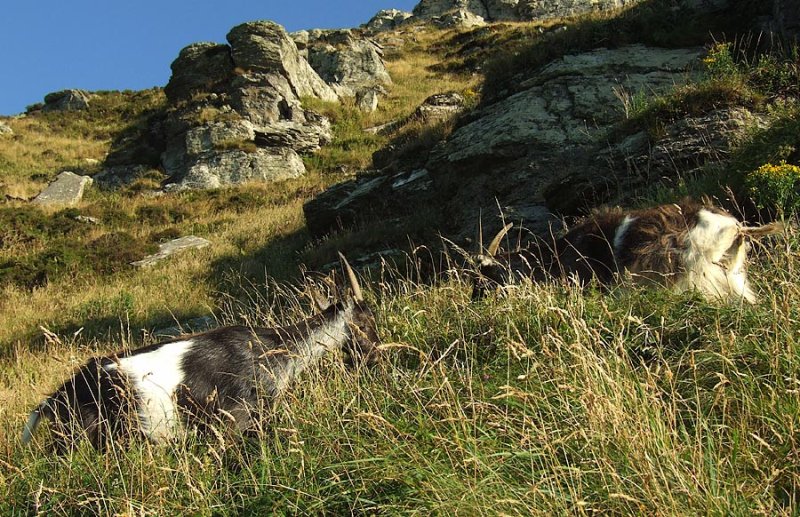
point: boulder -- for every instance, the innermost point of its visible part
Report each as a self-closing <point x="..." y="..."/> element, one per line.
<point x="5" y="130"/>
<point x="386" y="20"/>
<point x="66" y="100"/>
<point x="440" y="106"/>
<point x="168" y="249"/>
<point x="200" y="67"/>
<point x="231" y="167"/>
<point x="301" y="137"/>
<point x="346" y="62"/>
<point x="459" y="18"/>
<point x="67" y="189"/>
<point x="367" y="99"/>
<point x="684" y="146"/>
<point x="265" y="47"/>
<point x="367" y="198"/>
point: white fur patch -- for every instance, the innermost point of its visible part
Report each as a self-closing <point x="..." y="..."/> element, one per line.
<point x="156" y="376"/>
<point x="706" y="245"/>
<point x="622" y="229"/>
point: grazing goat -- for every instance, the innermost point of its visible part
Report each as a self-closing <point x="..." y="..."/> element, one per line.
<point x="683" y="246"/>
<point x="224" y="375"/>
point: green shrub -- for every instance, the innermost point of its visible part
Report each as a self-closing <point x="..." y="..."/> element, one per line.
<point x="775" y="187"/>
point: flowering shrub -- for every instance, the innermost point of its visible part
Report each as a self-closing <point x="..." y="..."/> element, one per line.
<point x="776" y="187"/>
<point x="720" y="62"/>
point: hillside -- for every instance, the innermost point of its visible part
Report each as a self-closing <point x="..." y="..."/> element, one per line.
<point x="541" y="399"/>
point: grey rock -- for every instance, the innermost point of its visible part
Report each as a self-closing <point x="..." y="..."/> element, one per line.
<point x="265" y="47"/>
<point x="686" y="145"/>
<point x="348" y="63"/>
<point x="66" y="100"/>
<point x="366" y="199"/>
<point x="440" y="106"/>
<point x="303" y="138"/>
<point x="87" y="219"/>
<point x="571" y="102"/>
<point x="67" y="189"/>
<point x="200" y="67"/>
<point x="171" y="248"/>
<point x="236" y="113"/>
<point x="459" y="18"/>
<point x="386" y="20"/>
<point x="430" y="9"/>
<point x="5" y="130"/>
<point x="367" y="99"/>
<point x="232" y="167"/>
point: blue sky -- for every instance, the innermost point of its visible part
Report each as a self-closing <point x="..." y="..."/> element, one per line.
<point x="49" y="45"/>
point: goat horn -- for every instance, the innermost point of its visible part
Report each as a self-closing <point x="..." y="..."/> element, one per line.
<point x="495" y="244"/>
<point x="760" y="231"/>
<point x="480" y="236"/>
<point x="357" y="295"/>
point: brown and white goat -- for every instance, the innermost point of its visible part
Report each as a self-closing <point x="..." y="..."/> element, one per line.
<point x="224" y="375"/>
<point x="682" y="246"/>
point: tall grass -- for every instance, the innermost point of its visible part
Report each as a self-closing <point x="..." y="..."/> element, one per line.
<point x="543" y="400"/>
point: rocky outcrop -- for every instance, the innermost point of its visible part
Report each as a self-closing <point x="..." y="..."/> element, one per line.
<point x="685" y="145"/>
<point x="67" y="100"/>
<point x="348" y="63"/>
<point x="542" y="150"/>
<point x="474" y="12"/>
<point x="67" y="189"/>
<point x="568" y="103"/>
<point x="375" y="196"/>
<point x="386" y="20"/>
<point x="235" y="112"/>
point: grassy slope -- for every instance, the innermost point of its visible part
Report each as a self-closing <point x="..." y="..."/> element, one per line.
<point x="545" y="400"/>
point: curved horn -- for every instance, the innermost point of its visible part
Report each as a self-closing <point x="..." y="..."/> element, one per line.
<point x="357" y="295"/>
<point x="495" y="244"/>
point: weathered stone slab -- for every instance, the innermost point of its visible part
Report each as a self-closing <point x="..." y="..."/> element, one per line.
<point x="170" y="248"/>
<point x="67" y="189"/>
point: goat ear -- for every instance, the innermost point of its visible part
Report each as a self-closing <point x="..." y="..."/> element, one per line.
<point x="755" y="232"/>
<point x="495" y="244"/>
<point x="351" y="276"/>
<point x="322" y="302"/>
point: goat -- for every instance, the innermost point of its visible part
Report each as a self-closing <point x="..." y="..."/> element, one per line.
<point x="682" y="246"/>
<point x="224" y="375"/>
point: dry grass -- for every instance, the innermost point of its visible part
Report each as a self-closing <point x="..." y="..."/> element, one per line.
<point x="546" y="400"/>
